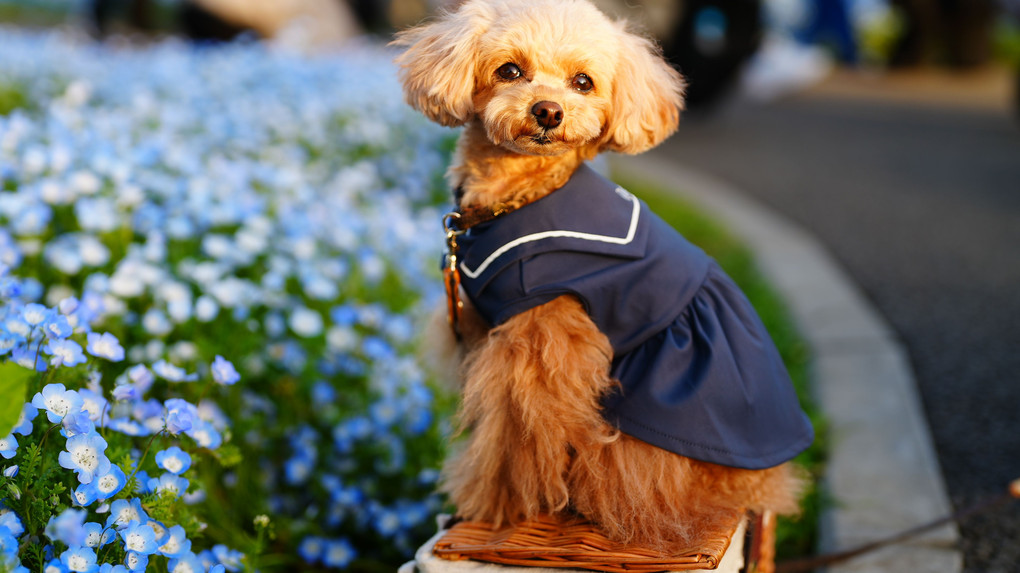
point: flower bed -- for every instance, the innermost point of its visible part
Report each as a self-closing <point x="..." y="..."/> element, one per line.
<point x="210" y="261"/>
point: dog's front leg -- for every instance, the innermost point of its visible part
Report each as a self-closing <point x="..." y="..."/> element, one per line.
<point x="532" y="393"/>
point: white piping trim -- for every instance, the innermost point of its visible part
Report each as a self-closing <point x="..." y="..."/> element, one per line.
<point x="635" y="214"/>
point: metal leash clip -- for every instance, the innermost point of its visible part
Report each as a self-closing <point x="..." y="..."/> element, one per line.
<point x="451" y="274"/>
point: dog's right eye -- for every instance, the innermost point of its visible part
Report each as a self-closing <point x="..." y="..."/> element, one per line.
<point x="509" y="71"/>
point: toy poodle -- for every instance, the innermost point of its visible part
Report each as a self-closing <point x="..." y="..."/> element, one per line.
<point x="610" y="369"/>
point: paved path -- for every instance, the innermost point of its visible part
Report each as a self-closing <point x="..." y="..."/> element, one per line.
<point x="921" y="205"/>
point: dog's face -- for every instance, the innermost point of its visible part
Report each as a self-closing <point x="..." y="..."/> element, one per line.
<point x="542" y="76"/>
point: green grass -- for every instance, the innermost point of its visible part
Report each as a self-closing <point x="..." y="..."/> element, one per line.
<point x="798" y="536"/>
<point x="32" y="15"/>
<point x="12" y="97"/>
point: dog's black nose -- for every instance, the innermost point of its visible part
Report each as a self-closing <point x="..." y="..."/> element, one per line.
<point x="549" y="114"/>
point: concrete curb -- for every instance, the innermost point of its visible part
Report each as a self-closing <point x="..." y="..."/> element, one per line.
<point x="882" y="474"/>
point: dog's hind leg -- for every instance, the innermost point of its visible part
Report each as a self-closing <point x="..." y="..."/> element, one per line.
<point x="531" y="394"/>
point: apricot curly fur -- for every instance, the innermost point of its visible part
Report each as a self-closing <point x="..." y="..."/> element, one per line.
<point x="539" y="444"/>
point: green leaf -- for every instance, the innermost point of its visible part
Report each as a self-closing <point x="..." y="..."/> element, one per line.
<point x="13" y="386"/>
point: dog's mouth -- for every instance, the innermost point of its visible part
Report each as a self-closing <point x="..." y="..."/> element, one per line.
<point x="541" y="139"/>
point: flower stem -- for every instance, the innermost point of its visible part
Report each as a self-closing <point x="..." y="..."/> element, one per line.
<point x="138" y="466"/>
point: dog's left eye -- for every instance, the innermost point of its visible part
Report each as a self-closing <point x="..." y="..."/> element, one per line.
<point x="509" y="71"/>
<point x="582" y="83"/>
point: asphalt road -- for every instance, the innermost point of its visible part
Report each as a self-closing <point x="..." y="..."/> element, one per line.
<point x="922" y="206"/>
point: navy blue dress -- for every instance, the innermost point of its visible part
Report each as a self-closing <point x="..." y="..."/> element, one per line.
<point x="700" y="376"/>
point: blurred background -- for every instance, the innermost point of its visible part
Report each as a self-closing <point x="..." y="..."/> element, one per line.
<point x="888" y="128"/>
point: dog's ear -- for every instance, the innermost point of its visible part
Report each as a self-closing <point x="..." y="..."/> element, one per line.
<point x="438" y="67"/>
<point x="647" y="98"/>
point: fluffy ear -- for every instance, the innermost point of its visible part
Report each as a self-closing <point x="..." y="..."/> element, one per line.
<point x="438" y="67"/>
<point x="647" y="98"/>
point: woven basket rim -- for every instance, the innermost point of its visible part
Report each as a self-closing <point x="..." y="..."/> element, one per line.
<point x="569" y="542"/>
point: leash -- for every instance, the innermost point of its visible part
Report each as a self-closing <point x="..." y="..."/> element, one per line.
<point x="451" y="273"/>
<point x="809" y="563"/>
<point x="455" y="224"/>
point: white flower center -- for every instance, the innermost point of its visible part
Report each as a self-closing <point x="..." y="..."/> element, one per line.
<point x="127" y="514"/>
<point x="81" y="497"/>
<point x="93" y="539"/>
<point x="173" y="464"/>
<point x="171" y="545"/>
<point x="77" y="563"/>
<point x="157" y="528"/>
<point x="103" y="347"/>
<point x="337" y="554"/>
<point x="4" y="444"/>
<point x="107" y="483"/>
<point x="58" y="405"/>
<point x="135" y="542"/>
<point x="202" y="437"/>
<point x="85" y="458"/>
<point x="131" y="561"/>
<point x="183" y="567"/>
<point x="93" y="408"/>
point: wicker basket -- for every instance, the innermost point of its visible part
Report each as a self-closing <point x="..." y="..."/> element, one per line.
<point x="551" y="542"/>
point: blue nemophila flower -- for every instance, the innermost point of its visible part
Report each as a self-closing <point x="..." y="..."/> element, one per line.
<point x="96" y="535"/>
<point x="205" y="435"/>
<point x="35" y="314"/>
<point x="105" y="345"/>
<point x="85" y="454"/>
<point x="229" y="558"/>
<point x="311" y="548"/>
<point x="173" y="460"/>
<point x="126" y="393"/>
<point x="55" y="566"/>
<point x="141" y="377"/>
<point x="172" y="373"/>
<point x="298" y="469"/>
<point x="68" y="305"/>
<point x="57" y="326"/>
<point x="142" y="482"/>
<point x="139" y="538"/>
<point x="136" y="562"/>
<point x="110" y="483"/>
<point x="112" y="568"/>
<point x="187" y="562"/>
<point x="8" y="546"/>
<point x="338" y="553"/>
<point x="10" y="520"/>
<point x="24" y="424"/>
<point x="64" y="352"/>
<point x="176" y="544"/>
<point x="123" y="512"/>
<point x="162" y="533"/>
<point x="11" y="471"/>
<point x="8" y="342"/>
<point x="127" y="427"/>
<point x="93" y="403"/>
<point x="18" y="327"/>
<point x="169" y="482"/>
<point x="76" y="423"/>
<point x="223" y="371"/>
<point x="81" y="559"/>
<point x="180" y="416"/>
<point x="85" y="494"/>
<point x="57" y="401"/>
<point x="28" y="358"/>
<point x="67" y="527"/>
<point x="8" y="446"/>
